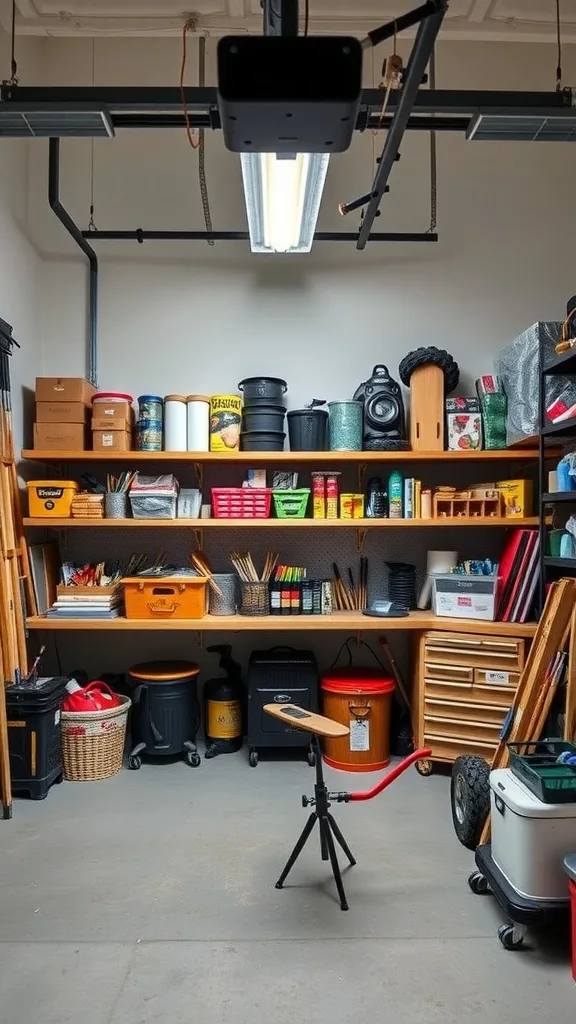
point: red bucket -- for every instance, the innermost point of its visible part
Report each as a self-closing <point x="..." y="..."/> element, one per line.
<point x="360" y="699"/>
<point x="572" y="887"/>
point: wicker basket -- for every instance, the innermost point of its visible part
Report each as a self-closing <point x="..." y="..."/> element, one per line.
<point x="93" y="742"/>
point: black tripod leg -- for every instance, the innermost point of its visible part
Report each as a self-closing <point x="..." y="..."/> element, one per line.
<point x="340" y="839"/>
<point x="323" y="845"/>
<point x="336" y="870"/>
<point x="297" y="849"/>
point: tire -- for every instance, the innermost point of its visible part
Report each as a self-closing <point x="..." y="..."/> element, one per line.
<point x="470" y="798"/>
<point x="134" y="762"/>
<point x="506" y="936"/>
<point x="478" y="884"/>
<point x="425" y="767"/>
<point x="253" y="758"/>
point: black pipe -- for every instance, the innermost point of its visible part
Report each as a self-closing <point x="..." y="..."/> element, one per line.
<point x="280" y="17"/>
<point x="79" y="237"/>
<point x="404" y="21"/>
<point x="417" y="64"/>
<point x="140" y="235"/>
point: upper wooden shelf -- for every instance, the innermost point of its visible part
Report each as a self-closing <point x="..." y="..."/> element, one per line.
<point x="273" y="458"/>
<point x="277" y="524"/>
<point x="355" y="621"/>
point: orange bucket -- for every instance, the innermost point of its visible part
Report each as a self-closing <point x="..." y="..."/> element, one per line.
<point x="361" y="699"/>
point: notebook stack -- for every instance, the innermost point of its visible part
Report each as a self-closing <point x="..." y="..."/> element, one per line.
<point x="87" y="603"/>
<point x="88" y="506"/>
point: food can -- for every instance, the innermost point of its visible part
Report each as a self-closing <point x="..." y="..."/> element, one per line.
<point x="319" y="495"/>
<point x="150" y="407"/>
<point x="332" y="495"/>
<point x="225" y="423"/>
<point x="149" y="436"/>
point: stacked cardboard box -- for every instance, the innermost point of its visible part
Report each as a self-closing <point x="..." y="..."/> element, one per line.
<point x="63" y="406"/>
<point x="112" y="426"/>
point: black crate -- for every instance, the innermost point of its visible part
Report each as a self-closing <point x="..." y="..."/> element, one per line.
<point x="34" y="739"/>
<point x="536" y="765"/>
<point x="281" y="675"/>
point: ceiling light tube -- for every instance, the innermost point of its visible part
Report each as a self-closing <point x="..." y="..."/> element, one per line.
<point x="283" y="193"/>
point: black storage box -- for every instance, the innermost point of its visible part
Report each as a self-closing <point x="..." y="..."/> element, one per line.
<point x="280" y="675"/>
<point x="34" y="740"/>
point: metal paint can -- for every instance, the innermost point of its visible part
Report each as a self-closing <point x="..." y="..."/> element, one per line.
<point x="149" y="436"/>
<point x="151" y="407"/>
<point x="225" y="423"/>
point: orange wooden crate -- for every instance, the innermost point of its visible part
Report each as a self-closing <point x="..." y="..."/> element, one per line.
<point x="168" y="597"/>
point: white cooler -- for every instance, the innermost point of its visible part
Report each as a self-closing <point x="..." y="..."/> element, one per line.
<point x="529" y="838"/>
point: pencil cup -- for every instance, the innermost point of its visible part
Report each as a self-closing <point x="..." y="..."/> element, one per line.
<point x="224" y="603"/>
<point x="255" y="599"/>
<point x="116" y="505"/>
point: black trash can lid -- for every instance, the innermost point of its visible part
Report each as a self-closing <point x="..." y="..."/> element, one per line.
<point x="42" y="687"/>
<point x="163" y="671"/>
<point x="570" y="865"/>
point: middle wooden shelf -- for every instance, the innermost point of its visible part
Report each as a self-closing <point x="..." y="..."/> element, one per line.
<point x="278" y="524"/>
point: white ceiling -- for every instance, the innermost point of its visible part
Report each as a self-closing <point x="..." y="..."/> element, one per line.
<point x="497" y="20"/>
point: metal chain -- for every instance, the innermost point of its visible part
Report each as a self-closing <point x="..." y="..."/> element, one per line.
<point x="433" y="161"/>
<point x="202" y="143"/>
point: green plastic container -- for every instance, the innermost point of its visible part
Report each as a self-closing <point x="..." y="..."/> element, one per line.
<point x="535" y="764"/>
<point x="291" y="504"/>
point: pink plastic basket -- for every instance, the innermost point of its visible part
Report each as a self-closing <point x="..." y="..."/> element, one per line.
<point x="241" y="502"/>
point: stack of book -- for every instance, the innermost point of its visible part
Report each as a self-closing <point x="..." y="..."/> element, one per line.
<point x="87" y="603"/>
<point x="88" y="506"/>
<point x="519" y="572"/>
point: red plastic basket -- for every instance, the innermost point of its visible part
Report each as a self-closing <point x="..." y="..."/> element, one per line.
<point x="241" y="502"/>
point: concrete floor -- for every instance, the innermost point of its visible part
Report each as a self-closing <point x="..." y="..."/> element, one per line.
<point x="150" y="898"/>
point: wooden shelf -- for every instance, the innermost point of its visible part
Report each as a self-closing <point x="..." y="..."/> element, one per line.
<point x="275" y="524"/>
<point x="273" y="458"/>
<point x="343" y="621"/>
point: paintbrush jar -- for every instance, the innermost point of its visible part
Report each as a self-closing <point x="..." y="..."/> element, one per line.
<point x="345" y="425"/>
<point x="117" y="505"/>
<point x="255" y="598"/>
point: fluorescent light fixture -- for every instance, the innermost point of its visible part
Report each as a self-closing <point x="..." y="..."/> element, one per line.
<point x="283" y="193"/>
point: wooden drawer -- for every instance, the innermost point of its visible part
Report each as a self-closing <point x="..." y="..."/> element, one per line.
<point x="448" y="750"/>
<point x="497" y="696"/>
<point x="441" y="670"/>
<point x="493" y="652"/>
<point x="499" y="680"/>
<point x="466" y="712"/>
<point x="455" y="728"/>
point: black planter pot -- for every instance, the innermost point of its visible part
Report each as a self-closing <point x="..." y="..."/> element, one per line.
<point x="263" y="417"/>
<point x="263" y="441"/>
<point x="263" y="390"/>
<point x="307" y="430"/>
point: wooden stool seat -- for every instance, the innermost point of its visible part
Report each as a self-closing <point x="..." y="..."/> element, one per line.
<point x="300" y="718"/>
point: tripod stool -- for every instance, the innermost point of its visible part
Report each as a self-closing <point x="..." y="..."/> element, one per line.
<point x="319" y="726"/>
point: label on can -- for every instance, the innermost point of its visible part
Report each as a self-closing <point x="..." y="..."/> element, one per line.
<point x="223" y="719"/>
<point x="225" y="422"/>
<point x="359" y="734"/>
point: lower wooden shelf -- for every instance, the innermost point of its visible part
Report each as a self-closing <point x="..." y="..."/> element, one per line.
<point x="345" y="621"/>
<point x="280" y="524"/>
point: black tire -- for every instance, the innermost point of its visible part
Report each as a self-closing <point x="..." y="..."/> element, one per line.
<point x="134" y="762"/>
<point x="478" y="884"/>
<point x="193" y="759"/>
<point x="470" y="798"/>
<point x="311" y="758"/>
<point x="253" y="758"/>
<point x="506" y="936"/>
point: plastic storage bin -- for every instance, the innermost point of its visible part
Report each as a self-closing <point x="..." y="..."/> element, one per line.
<point x="291" y="504"/>
<point x="570" y="869"/>
<point x="529" y="838"/>
<point x="48" y="498"/>
<point x="33" y="710"/>
<point x="535" y="764"/>
<point x="463" y="596"/>
<point x="168" y="597"/>
<point x="241" y="502"/>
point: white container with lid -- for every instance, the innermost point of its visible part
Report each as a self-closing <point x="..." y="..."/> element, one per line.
<point x="530" y="838"/>
<point x="198" y="431"/>
<point x="175" y="423"/>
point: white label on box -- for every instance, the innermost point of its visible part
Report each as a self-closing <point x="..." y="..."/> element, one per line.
<point x="359" y="734"/>
<point x="107" y="440"/>
<point x="497" y="677"/>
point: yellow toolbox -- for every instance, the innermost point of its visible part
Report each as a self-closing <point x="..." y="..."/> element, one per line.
<point x="51" y="497"/>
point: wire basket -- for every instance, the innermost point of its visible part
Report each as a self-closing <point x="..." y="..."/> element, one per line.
<point x="255" y="598"/>
<point x="536" y="765"/>
<point x="93" y="742"/>
<point x="291" y="504"/>
<point x="241" y="502"/>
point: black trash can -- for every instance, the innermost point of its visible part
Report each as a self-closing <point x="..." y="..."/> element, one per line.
<point x="34" y="740"/>
<point x="164" y="716"/>
<point x="307" y="430"/>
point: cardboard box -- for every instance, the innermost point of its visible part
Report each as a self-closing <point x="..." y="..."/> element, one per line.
<point x="112" y="440"/>
<point x="465" y="597"/>
<point x="64" y="389"/>
<point x="104" y="414"/>
<point x="61" y="437"/>
<point x="110" y="425"/>
<point x="62" y="412"/>
<point x="516" y="498"/>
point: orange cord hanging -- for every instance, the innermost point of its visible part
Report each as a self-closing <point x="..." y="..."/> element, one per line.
<point x="193" y="137"/>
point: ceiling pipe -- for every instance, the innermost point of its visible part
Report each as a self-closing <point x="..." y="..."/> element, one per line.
<point x="140" y="235"/>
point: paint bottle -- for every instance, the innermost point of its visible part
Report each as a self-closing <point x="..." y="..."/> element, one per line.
<point x="395" y="495"/>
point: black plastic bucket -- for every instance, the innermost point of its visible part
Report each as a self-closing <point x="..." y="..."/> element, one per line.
<point x="307" y="430"/>
<point x="263" y="441"/>
<point x="263" y="417"/>
<point x="263" y="390"/>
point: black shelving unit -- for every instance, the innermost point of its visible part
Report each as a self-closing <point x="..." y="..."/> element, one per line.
<point x="550" y="567"/>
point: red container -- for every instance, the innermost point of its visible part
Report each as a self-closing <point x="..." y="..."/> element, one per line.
<point x="572" y="888"/>
<point x="241" y="502"/>
<point x="360" y="699"/>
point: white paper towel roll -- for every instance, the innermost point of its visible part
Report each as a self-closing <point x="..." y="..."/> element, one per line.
<point x="436" y="562"/>
<point x="198" y="423"/>
<point x="175" y="423"/>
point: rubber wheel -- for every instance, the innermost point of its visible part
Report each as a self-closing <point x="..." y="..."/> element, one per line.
<point x="506" y="936"/>
<point x="253" y="758"/>
<point x="425" y="767"/>
<point x="470" y="798"/>
<point x="134" y="762"/>
<point x="193" y="759"/>
<point x="311" y="758"/>
<point x="478" y="884"/>
<point x="59" y="779"/>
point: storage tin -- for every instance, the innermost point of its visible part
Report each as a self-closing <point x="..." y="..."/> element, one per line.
<point x="149" y="436"/>
<point x="345" y="425"/>
<point x="151" y="407"/>
<point x="175" y="423"/>
<point x="225" y="422"/>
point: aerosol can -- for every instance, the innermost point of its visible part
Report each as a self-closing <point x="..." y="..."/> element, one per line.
<point x="223" y="706"/>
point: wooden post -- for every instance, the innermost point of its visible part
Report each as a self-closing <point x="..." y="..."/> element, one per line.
<point x="427" y="409"/>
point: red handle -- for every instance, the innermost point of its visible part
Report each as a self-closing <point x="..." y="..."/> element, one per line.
<point x="101" y="685"/>
<point x="418" y="755"/>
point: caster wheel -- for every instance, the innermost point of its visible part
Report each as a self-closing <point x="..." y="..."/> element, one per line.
<point x="253" y="758"/>
<point x="134" y="762"/>
<point x="193" y="759"/>
<point x="59" y="779"/>
<point x="311" y="758"/>
<point x="478" y="884"/>
<point x="424" y="767"/>
<point x="507" y="938"/>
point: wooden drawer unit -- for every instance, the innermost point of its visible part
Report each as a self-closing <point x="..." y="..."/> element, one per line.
<point x="465" y="686"/>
